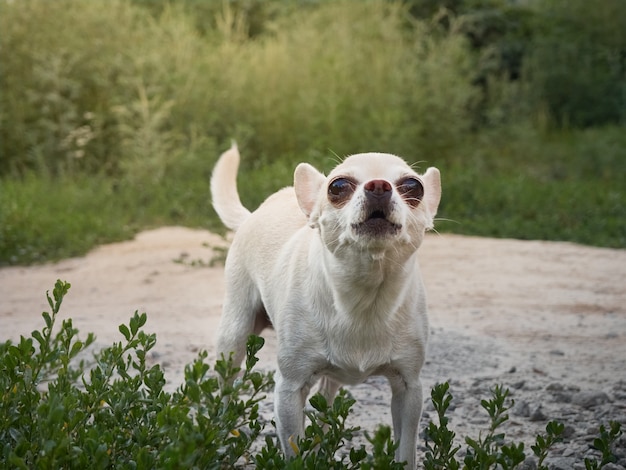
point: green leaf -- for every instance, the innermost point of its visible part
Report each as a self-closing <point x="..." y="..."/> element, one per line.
<point x="76" y="348"/>
<point x="47" y="318"/>
<point x="124" y="330"/>
<point x="37" y="335"/>
<point x="318" y="402"/>
<point x="61" y="288"/>
<point x="253" y="346"/>
<point x="134" y="323"/>
<point x="142" y="319"/>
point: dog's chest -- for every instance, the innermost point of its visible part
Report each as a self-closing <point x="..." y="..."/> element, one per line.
<point x="353" y="354"/>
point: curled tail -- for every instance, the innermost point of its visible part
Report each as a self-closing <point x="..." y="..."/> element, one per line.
<point x="224" y="190"/>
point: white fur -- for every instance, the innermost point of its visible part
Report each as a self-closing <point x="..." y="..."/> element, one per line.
<point x="345" y="304"/>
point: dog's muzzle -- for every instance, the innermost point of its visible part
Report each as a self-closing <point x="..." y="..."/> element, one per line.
<point x="377" y="207"/>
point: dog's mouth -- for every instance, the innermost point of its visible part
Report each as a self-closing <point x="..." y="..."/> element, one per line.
<point x="376" y="224"/>
<point x="378" y="214"/>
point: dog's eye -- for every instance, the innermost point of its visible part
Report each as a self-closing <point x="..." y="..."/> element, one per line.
<point x="412" y="190"/>
<point x="340" y="190"/>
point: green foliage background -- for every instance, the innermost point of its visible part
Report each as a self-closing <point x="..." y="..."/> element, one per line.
<point x="113" y="113"/>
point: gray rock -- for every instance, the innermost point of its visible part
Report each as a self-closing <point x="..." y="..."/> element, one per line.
<point x="613" y="466"/>
<point x="555" y="387"/>
<point x="568" y="432"/>
<point x="589" y="399"/>
<point x="522" y="409"/>
<point x="529" y="464"/>
<point x="538" y="415"/>
<point x="563" y="397"/>
<point x="561" y="463"/>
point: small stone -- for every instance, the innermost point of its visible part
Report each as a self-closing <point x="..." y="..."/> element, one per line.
<point x="612" y="466"/>
<point x="538" y="415"/>
<point x="590" y="399"/>
<point x="529" y="464"/>
<point x="562" y="463"/>
<point x="568" y="431"/>
<point x="522" y="409"/>
<point x="569" y="451"/>
<point x="563" y="397"/>
<point x="555" y="387"/>
<point x="519" y="385"/>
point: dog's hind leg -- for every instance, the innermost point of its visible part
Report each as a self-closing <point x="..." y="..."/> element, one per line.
<point x="328" y="388"/>
<point x="242" y="308"/>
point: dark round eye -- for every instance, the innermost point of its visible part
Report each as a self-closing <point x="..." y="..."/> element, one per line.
<point x="411" y="189"/>
<point x="340" y="190"/>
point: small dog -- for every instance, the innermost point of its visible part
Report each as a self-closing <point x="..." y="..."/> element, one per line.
<point x="331" y="262"/>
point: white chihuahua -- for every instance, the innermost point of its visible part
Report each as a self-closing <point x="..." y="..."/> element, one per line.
<point x="332" y="264"/>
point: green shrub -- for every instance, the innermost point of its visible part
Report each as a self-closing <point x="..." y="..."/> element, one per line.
<point x="57" y="413"/>
<point x="566" y="186"/>
<point x="492" y="450"/>
<point x="575" y="64"/>
<point x="112" y="114"/>
<point x="89" y="86"/>
<point x="111" y="88"/>
<point x="61" y="408"/>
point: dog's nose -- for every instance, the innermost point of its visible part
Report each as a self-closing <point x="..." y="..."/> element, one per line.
<point x="378" y="188"/>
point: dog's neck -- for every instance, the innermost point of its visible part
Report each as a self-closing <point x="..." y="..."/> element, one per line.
<point x="368" y="281"/>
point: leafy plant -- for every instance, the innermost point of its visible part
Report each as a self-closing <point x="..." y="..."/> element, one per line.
<point x="440" y="449"/>
<point x="63" y="408"/>
<point x="57" y="414"/>
<point x="604" y="443"/>
<point x="544" y="443"/>
<point x="326" y="442"/>
<point x="492" y="450"/>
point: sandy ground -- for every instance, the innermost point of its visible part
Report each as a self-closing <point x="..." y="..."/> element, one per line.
<point x="544" y="318"/>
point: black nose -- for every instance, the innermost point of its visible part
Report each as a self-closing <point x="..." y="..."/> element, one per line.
<point x="378" y="190"/>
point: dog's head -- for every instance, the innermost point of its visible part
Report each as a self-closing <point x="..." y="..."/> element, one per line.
<point x="373" y="200"/>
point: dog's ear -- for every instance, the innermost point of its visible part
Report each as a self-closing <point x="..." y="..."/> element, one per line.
<point x="432" y="193"/>
<point x="307" y="182"/>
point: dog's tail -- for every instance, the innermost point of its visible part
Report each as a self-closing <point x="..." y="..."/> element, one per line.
<point x="224" y="189"/>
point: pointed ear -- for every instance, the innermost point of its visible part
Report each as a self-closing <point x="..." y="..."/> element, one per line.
<point x="307" y="182"/>
<point x="432" y="196"/>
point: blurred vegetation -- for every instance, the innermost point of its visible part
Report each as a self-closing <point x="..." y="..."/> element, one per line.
<point x="113" y="113"/>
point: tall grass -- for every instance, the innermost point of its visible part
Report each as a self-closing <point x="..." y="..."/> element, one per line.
<point x="134" y="100"/>
<point x="350" y="76"/>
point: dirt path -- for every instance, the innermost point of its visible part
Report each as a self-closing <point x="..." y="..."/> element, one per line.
<point x="548" y="320"/>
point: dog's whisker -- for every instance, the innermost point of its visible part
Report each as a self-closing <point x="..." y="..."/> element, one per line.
<point x="443" y="219"/>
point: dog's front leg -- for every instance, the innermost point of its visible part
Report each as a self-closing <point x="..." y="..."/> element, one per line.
<point x="289" y="399"/>
<point x="406" y="410"/>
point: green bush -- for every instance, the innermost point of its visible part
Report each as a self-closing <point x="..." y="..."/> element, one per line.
<point x="575" y="64"/>
<point x="112" y="114"/>
<point x="123" y="92"/>
<point x="89" y="86"/>
<point x="61" y="408"/>
<point x="492" y="450"/>
<point x="58" y="413"/>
